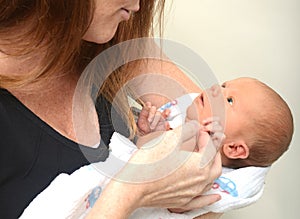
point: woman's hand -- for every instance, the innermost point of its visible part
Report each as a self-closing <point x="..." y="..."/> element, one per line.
<point x="161" y="175"/>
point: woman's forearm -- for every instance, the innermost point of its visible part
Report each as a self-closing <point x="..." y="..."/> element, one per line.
<point x="117" y="201"/>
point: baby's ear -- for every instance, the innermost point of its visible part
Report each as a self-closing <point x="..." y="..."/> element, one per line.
<point x="236" y="150"/>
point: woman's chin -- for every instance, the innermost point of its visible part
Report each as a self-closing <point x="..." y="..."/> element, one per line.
<point x="99" y="38"/>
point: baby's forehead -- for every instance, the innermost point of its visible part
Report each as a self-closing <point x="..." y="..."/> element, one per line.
<point x="242" y="80"/>
<point x="248" y="85"/>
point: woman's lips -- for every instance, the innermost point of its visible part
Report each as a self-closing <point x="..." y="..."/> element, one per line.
<point x="125" y="14"/>
<point x="126" y="10"/>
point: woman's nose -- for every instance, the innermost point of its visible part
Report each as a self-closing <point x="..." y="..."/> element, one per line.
<point x="136" y="6"/>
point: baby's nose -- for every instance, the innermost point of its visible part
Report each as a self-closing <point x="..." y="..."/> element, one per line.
<point x="215" y="90"/>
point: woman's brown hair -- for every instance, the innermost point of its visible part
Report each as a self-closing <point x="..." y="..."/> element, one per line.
<point x="56" y="29"/>
<point x="53" y="28"/>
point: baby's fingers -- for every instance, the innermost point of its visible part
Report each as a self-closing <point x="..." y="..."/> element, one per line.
<point x="158" y="122"/>
<point x="165" y="113"/>
<point x="152" y="114"/>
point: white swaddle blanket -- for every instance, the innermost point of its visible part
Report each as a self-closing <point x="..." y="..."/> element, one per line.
<point x="72" y="196"/>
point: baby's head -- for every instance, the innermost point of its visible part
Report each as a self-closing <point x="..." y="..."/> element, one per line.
<point x="259" y="123"/>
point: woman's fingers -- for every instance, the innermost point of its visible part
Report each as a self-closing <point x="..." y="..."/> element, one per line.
<point x="177" y="178"/>
<point x="190" y="145"/>
<point x="216" y="166"/>
<point x="196" y="203"/>
<point x="210" y="150"/>
<point x="217" y="139"/>
<point x="188" y="131"/>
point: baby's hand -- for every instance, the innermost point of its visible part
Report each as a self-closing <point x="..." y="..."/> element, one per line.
<point x="151" y="120"/>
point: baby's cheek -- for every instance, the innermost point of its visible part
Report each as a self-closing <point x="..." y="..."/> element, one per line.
<point x="192" y="112"/>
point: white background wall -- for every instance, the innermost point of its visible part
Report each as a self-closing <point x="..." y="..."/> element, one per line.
<point x="261" y="39"/>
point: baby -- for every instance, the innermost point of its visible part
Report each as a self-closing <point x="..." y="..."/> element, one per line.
<point x="258" y="127"/>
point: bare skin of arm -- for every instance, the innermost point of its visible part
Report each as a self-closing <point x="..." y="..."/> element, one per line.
<point x="159" y="82"/>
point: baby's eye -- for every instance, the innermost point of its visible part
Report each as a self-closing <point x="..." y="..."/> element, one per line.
<point x="230" y="100"/>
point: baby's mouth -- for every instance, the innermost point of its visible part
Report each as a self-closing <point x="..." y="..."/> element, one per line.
<point x="201" y="99"/>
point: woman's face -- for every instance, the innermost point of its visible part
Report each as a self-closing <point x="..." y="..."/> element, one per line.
<point x="107" y="16"/>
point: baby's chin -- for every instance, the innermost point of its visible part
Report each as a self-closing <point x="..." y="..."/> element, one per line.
<point x="190" y="118"/>
<point x="192" y="113"/>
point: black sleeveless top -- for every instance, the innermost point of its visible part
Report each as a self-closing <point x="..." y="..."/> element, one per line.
<point x="32" y="154"/>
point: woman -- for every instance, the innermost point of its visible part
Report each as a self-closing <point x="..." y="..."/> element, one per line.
<point x="44" y="47"/>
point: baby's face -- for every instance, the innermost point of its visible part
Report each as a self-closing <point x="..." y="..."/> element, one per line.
<point x="209" y="103"/>
<point x="240" y="100"/>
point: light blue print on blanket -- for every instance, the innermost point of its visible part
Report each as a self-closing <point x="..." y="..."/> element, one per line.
<point x="93" y="196"/>
<point x="226" y="185"/>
